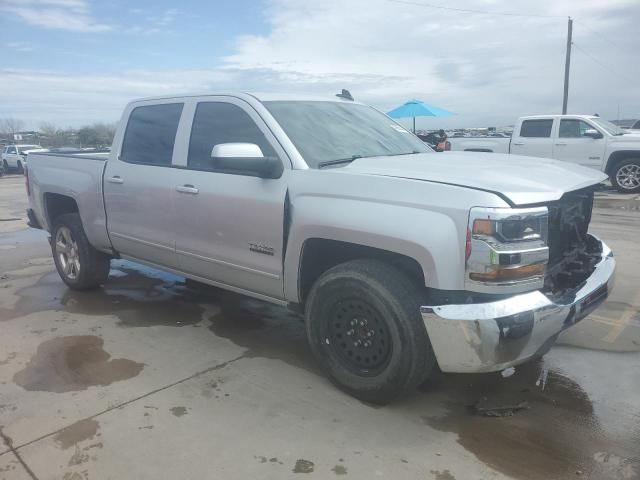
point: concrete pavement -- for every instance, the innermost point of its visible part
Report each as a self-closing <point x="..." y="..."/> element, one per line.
<point x="153" y="378"/>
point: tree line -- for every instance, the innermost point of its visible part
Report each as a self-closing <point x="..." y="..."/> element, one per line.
<point x="49" y="135"/>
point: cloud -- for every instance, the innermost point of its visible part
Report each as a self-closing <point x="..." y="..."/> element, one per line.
<point x="489" y="68"/>
<point x="70" y="15"/>
<point x="20" y="46"/>
<point x="78" y="98"/>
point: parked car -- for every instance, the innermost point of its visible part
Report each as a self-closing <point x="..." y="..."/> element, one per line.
<point x="402" y="261"/>
<point x="581" y="139"/>
<point x="14" y="157"/>
<point x="635" y="128"/>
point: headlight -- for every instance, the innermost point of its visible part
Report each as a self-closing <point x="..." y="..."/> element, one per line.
<point x="506" y="247"/>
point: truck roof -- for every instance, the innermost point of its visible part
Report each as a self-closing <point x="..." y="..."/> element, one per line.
<point x="557" y="115"/>
<point x="262" y="97"/>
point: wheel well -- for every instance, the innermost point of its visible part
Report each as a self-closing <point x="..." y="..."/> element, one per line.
<point x="56" y="205"/>
<point x="319" y="255"/>
<point x="617" y="157"/>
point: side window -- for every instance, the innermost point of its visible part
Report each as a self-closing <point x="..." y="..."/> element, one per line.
<point x="151" y="134"/>
<point x="536" y="128"/>
<point x="573" y="128"/>
<point x="218" y="122"/>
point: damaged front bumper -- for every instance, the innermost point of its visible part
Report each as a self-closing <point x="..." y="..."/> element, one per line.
<point x="487" y="337"/>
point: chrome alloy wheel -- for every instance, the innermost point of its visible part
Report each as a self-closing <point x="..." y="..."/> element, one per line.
<point x="68" y="254"/>
<point x="628" y="176"/>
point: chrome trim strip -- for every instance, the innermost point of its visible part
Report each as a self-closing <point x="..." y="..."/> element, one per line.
<point x="143" y="242"/>
<point x="229" y="264"/>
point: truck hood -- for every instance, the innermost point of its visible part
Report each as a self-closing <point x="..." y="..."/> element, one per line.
<point x="521" y="180"/>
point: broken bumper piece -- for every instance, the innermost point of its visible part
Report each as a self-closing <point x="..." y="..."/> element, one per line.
<point x="487" y="337"/>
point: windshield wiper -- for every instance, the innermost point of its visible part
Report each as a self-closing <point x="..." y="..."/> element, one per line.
<point x="339" y="161"/>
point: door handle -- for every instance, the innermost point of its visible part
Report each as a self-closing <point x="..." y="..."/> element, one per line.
<point x="115" y="179"/>
<point x="561" y="144"/>
<point x="188" y="188"/>
<point x="519" y="144"/>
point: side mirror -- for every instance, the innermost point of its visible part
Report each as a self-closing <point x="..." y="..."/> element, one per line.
<point x="592" y="133"/>
<point x="245" y="159"/>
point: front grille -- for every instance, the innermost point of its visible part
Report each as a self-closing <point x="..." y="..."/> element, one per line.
<point x="572" y="255"/>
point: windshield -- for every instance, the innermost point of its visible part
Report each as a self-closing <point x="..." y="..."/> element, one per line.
<point x="331" y="131"/>
<point x="609" y="127"/>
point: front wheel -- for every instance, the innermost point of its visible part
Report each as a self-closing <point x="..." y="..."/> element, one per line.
<point x="19" y="168"/>
<point x="79" y="265"/>
<point x="626" y="176"/>
<point x="364" y="326"/>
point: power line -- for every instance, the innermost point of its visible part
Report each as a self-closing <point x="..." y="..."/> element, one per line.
<point x="597" y="34"/>
<point x="481" y="12"/>
<point x="606" y="67"/>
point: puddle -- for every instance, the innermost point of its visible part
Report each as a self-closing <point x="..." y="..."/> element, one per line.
<point x="303" y="466"/>
<point x="138" y="296"/>
<point x="67" y="364"/>
<point x="178" y="411"/>
<point x="556" y="438"/>
<point x="76" y="433"/>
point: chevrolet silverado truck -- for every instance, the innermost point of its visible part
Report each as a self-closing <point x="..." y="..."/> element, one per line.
<point x="402" y="260"/>
<point x="580" y="139"/>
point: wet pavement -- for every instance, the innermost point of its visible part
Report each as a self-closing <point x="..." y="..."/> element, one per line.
<point x="154" y="377"/>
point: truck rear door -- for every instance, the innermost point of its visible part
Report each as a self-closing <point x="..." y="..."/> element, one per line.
<point x="573" y="145"/>
<point x="229" y="225"/>
<point x="533" y="138"/>
<point x="137" y="185"/>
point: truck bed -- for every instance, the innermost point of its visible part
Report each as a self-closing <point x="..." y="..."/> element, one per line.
<point x="76" y="175"/>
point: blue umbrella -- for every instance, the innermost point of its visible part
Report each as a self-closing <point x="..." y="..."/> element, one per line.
<point x="417" y="108"/>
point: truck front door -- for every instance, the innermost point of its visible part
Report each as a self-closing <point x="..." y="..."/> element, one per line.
<point x="533" y="138"/>
<point x="572" y="145"/>
<point x="229" y="225"/>
<point x="137" y="185"/>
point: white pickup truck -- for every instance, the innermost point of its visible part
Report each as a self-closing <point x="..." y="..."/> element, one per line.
<point x="581" y="139"/>
<point x="402" y="260"/>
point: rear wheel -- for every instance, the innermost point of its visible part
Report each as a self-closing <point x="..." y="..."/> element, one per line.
<point x="626" y="176"/>
<point x="79" y="265"/>
<point x="5" y="165"/>
<point x="364" y="326"/>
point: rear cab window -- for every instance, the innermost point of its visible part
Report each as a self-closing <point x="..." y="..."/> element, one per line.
<point x="538" y="128"/>
<point x="151" y="134"/>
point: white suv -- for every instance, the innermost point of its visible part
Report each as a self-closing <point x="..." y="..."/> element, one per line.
<point x="15" y="156"/>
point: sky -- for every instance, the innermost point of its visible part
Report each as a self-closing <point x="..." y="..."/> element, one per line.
<point x="73" y="62"/>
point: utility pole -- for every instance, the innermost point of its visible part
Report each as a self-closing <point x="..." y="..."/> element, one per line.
<point x="567" y="65"/>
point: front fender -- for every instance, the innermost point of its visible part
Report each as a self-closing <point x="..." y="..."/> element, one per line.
<point x="434" y="239"/>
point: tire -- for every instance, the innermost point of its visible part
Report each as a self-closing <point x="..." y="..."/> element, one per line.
<point x="80" y="266"/>
<point x="388" y="302"/>
<point x="19" y="168"/>
<point x="626" y="176"/>
<point x="5" y="165"/>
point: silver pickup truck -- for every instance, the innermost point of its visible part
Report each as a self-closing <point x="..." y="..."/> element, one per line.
<point x="402" y="260"/>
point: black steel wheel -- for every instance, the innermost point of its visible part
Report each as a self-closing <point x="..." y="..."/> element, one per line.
<point x="359" y="335"/>
<point x="364" y="327"/>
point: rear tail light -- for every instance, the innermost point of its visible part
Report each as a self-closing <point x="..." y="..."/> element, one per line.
<point x="26" y="180"/>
